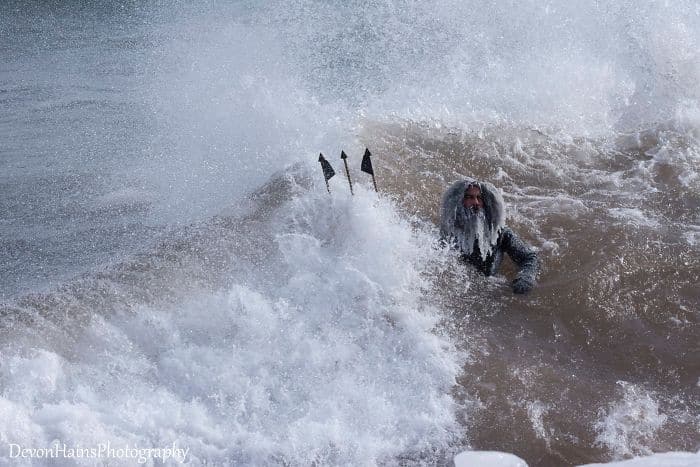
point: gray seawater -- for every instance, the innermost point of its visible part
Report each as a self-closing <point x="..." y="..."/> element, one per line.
<point x="74" y="122"/>
<point x="172" y="269"/>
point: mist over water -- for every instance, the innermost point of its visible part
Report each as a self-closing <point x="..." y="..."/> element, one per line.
<point x="173" y="270"/>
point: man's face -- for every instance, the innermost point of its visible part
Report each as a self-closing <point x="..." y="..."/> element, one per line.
<point x="472" y="199"/>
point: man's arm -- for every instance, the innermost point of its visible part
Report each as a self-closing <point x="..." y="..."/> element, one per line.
<point x="525" y="257"/>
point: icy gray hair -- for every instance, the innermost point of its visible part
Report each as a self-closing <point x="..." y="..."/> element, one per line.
<point x="452" y="215"/>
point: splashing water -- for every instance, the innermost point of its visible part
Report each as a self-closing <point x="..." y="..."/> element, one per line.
<point x="159" y="284"/>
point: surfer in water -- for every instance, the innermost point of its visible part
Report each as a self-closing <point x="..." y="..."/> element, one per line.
<point x="473" y="220"/>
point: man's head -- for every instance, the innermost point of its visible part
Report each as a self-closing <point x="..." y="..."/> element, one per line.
<point x="472" y="210"/>
<point x="472" y="198"/>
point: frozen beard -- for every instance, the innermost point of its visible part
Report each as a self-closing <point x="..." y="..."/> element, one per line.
<point x="471" y="228"/>
<point x="465" y="227"/>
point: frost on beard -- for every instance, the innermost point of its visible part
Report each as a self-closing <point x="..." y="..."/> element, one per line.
<point x="465" y="227"/>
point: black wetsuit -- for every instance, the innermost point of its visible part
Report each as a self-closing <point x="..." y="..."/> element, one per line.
<point x="452" y="231"/>
<point x="521" y="254"/>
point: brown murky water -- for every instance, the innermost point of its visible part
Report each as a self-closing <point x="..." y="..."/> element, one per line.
<point x="602" y="360"/>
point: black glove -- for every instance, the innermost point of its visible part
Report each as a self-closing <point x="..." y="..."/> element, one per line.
<point x="522" y="285"/>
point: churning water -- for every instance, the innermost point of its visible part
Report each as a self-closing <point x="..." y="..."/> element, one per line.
<point x="172" y="269"/>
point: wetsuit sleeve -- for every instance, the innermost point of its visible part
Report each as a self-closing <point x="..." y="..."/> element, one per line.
<point x="525" y="257"/>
